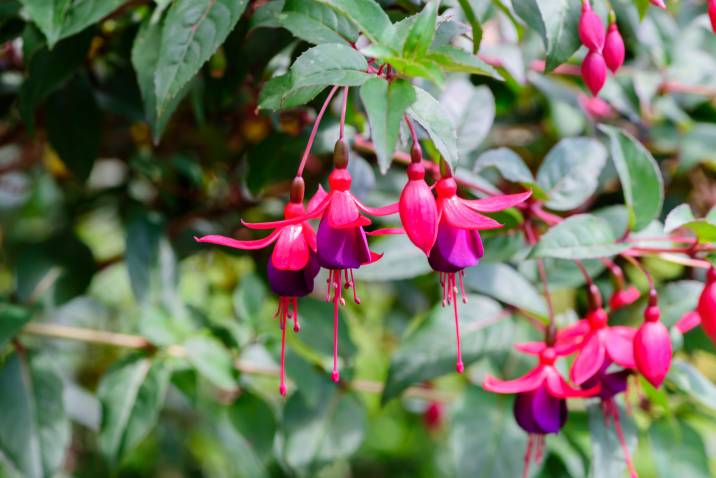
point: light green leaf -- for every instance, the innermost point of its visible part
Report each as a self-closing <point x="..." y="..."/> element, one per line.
<point x="472" y="110"/>
<point x="428" y="350"/>
<point x="474" y="22"/>
<point x="367" y="15"/>
<point x="212" y="360"/>
<point x="132" y="393"/>
<point x="505" y="284"/>
<point x="12" y="319"/>
<point x="193" y="30"/>
<point x="330" y="64"/>
<point x="34" y="430"/>
<point x="422" y="31"/>
<point x="677" y="450"/>
<point x="640" y="177"/>
<point x="254" y="419"/>
<point x="430" y="115"/>
<point x="690" y="380"/>
<point x="583" y="236"/>
<point x="678" y="297"/>
<point x="570" y="172"/>
<point x="385" y="104"/>
<point x="682" y="216"/>
<point x="484" y="438"/>
<point x="455" y="59"/>
<point x="316" y="23"/>
<point x="402" y="260"/>
<point x="422" y="66"/>
<point x="607" y="456"/>
<point x="507" y="162"/>
<point x="281" y="92"/>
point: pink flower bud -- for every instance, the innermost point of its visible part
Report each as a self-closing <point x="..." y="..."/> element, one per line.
<point x="712" y="14"/>
<point x="652" y="348"/>
<point x="707" y="306"/>
<point x="658" y="3"/>
<point x="614" y="48"/>
<point x="623" y="297"/>
<point x="594" y="71"/>
<point x="594" y="106"/>
<point x="434" y="415"/>
<point x="418" y="209"/>
<point x="591" y="28"/>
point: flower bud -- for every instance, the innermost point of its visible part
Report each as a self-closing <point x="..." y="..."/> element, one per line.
<point x="594" y="71"/>
<point x="624" y="297"/>
<point x="658" y="3"/>
<point x="614" y="48"/>
<point x="434" y="415"/>
<point x="652" y="348"/>
<point x="712" y="14"/>
<point x="591" y="29"/>
<point x="418" y="209"/>
<point x="594" y="106"/>
<point x="706" y="307"/>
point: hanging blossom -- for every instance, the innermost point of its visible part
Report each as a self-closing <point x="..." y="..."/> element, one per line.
<point x="614" y="50"/>
<point x="652" y="345"/>
<point x="622" y="296"/>
<point x="293" y="265"/>
<point x="705" y="313"/>
<point x="540" y="407"/>
<point x="592" y="35"/>
<point x="457" y="244"/>
<point x="341" y="243"/>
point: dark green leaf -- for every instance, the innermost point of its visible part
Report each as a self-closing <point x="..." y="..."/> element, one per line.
<point x="422" y="31"/>
<point x="144" y="231"/>
<point x="607" y="456"/>
<point x="570" y="172"/>
<point x="212" y="360"/>
<point x="12" y="319"/>
<point x="474" y="24"/>
<point x="316" y="327"/>
<point x="367" y="15"/>
<point x="281" y="92"/>
<point x="505" y="284"/>
<point x="583" y="236"/>
<point x="385" y="104"/>
<point x="430" y="115"/>
<point x="249" y="298"/>
<point x="132" y="393"/>
<point x="316" y="23"/>
<point x="428" y="350"/>
<point x="254" y="419"/>
<point x="677" y="450"/>
<point x="73" y="124"/>
<point x="34" y="431"/>
<point x="455" y="59"/>
<point x="484" y="437"/>
<point x="193" y="30"/>
<point x="402" y="260"/>
<point x="678" y="297"/>
<point x="640" y="177"/>
<point x="330" y="64"/>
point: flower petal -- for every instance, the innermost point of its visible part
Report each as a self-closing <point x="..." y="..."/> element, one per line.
<point x="619" y="341"/>
<point x="377" y="211"/>
<point x="343" y="211"/>
<point x="459" y="215"/>
<point x="530" y="348"/>
<point x="559" y="387"/>
<point x="525" y="383"/>
<point x="589" y="360"/>
<point x="310" y="236"/>
<point x="497" y="203"/>
<point x="317" y="200"/>
<point x="288" y="222"/>
<point x="385" y="231"/>
<point x="688" y="321"/>
<point x="236" y="244"/>
<point x="291" y="250"/>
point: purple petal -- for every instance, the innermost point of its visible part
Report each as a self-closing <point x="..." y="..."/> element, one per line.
<point x="539" y="412"/>
<point x="455" y="249"/>
<point x="287" y="283"/>
<point x="345" y="248"/>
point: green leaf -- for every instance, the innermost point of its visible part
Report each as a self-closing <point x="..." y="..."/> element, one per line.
<point x="505" y="284"/>
<point x="314" y="435"/>
<point x="570" y="172"/>
<point x="281" y="92"/>
<point x="34" y="430"/>
<point x="12" y="319"/>
<point x="254" y="419"/>
<point x="330" y="64"/>
<point x="472" y="110"/>
<point x="677" y="450"/>
<point x="556" y="21"/>
<point x="484" y="438"/>
<point x="314" y="315"/>
<point x="640" y="177"/>
<point x="249" y="298"/>
<point x="422" y="31"/>
<point x="582" y="236"/>
<point x="474" y="22"/>
<point x="678" y="297"/>
<point x="212" y="360"/>
<point x="73" y="122"/>
<point x="507" y="162"/>
<point x="193" y="30"/>
<point x="62" y="18"/>
<point x="48" y="70"/>
<point x="145" y="57"/>
<point x="385" y="104"/>
<point x="315" y="23"/>
<point x="144" y="230"/>
<point x="607" y="456"/>
<point x="428" y="350"/>
<point x="402" y="260"/>
<point x="131" y="393"/>
<point x="422" y="66"/>
<point x="456" y="59"/>
<point x="682" y="216"/>
<point x="367" y="15"/>
<point x="435" y="120"/>
<point x="690" y="380"/>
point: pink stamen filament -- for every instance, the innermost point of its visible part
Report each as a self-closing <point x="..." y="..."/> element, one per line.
<point x="312" y="137"/>
<point x="337" y="300"/>
<point x="622" y="440"/>
<point x="461" y="274"/>
<point x="296" y="325"/>
<point x="528" y="456"/>
<point x="282" y="386"/>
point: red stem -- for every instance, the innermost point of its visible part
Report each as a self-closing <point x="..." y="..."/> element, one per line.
<point x="343" y="111"/>
<point x="312" y="137"/>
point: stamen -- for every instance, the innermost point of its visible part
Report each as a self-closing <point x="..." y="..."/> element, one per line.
<point x="528" y="456"/>
<point x="461" y="274"/>
<point x="278" y="309"/>
<point x="354" y="284"/>
<point x="622" y="442"/>
<point x="459" y="366"/>
<point x="336" y="301"/>
<point x="282" y="386"/>
<point x="540" y="448"/>
<point x="328" y="286"/>
<point x="296" y="325"/>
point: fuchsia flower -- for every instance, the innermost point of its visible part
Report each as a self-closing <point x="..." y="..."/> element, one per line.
<point x="712" y="14"/>
<point x="540" y="406"/>
<point x="458" y="244"/>
<point x="591" y="29"/>
<point x="341" y="243"/>
<point x="594" y="106"/>
<point x="658" y="3"/>
<point x="705" y="313"/>
<point x="652" y="347"/>
<point x="594" y="71"/>
<point x="418" y="209"/>
<point x="597" y="344"/>
<point x="624" y="297"/>
<point x="293" y="264"/>
<point x="613" y="46"/>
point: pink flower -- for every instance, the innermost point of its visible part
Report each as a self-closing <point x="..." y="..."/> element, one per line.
<point x="594" y="106"/>
<point x="418" y="209"/>
<point x="614" y="47"/>
<point x="652" y="347"/>
<point x="293" y="264"/>
<point x="591" y="29"/>
<point x="624" y="297"/>
<point x="712" y="14"/>
<point x="458" y="244"/>
<point x="706" y="307"/>
<point x="658" y="3"/>
<point x="594" y="71"/>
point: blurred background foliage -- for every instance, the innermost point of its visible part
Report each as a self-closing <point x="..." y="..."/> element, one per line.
<point x="107" y="171"/>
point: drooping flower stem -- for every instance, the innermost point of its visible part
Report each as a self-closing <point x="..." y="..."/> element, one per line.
<point x="312" y="137"/>
<point x="611" y="410"/>
<point x="282" y="386"/>
<point x="643" y="270"/>
<point x="343" y="112"/>
<point x="413" y="134"/>
<point x="532" y="240"/>
<point x="337" y="291"/>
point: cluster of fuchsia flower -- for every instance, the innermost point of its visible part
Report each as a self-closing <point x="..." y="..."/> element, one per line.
<point x="606" y="48"/>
